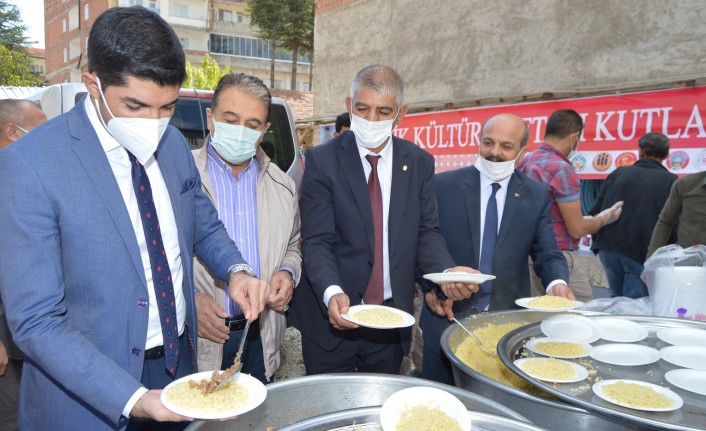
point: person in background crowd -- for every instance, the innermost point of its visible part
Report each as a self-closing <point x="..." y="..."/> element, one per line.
<point x="687" y="206"/>
<point x="17" y="118"/>
<point x="96" y="262"/>
<point x="369" y="217"/>
<point x="343" y="123"/>
<point x="257" y="203"/>
<point x="550" y="165"/>
<point x="493" y="217"/>
<point x="644" y="187"/>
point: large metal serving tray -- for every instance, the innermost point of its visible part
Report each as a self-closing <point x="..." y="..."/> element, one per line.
<point x="692" y="416"/>
<point x="368" y="419"/>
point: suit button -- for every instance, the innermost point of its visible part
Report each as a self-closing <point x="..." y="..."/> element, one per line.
<point x="142" y="302"/>
<point x="370" y="262"/>
<point x="136" y="351"/>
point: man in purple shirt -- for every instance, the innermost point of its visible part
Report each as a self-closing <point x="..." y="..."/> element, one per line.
<point x="257" y="203"/>
<point x="550" y="165"/>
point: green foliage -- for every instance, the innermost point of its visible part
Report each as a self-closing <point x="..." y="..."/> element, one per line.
<point x="205" y="77"/>
<point x="14" y="69"/>
<point x="269" y="17"/>
<point x="12" y="29"/>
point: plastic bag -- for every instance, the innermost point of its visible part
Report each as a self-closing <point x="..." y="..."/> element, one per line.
<point x="676" y="281"/>
<point x="620" y="305"/>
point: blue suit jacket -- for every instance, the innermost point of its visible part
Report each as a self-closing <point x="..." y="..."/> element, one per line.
<point x="525" y="230"/>
<point x="337" y="227"/>
<point x="71" y="275"/>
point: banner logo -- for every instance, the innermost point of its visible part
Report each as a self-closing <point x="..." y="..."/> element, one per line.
<point x="602" y="161"/>
<point x="678" y="160"/>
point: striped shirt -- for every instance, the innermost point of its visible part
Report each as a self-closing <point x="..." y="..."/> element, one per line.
<point x="236" y="200"/>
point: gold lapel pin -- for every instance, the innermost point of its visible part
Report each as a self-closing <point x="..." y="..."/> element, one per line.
<point x="404" y="168"/>
<point x="517" y="195"/>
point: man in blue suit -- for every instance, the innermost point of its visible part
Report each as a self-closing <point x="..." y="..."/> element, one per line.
<point x="102" y="212"/>
<point x="368" y="217"/>
<point x="493" y="217"/>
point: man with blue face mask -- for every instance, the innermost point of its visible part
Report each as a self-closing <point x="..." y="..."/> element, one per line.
<point x="257" y="203"/>
<point x="493" y="217"/>
<point x="96" y="265"/>
<point x="369" y="218"/>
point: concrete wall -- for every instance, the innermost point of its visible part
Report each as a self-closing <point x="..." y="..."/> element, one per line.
<point x="473" y="49"/>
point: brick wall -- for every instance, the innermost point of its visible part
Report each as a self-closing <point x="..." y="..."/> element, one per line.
<point x="301" y="102"/>
<point x="323" y="6"/>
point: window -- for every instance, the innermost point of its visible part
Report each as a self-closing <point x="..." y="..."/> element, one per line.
<point x="85" y="12"/>
<point x="184" y="42"/>
<point x="86" y="44"/>
<point x="153" y="4"/>
<point x="178" y="9"/>
<point x="63" y="25"/>
<point x="248" y="47"/>
<point x="73" y="18"/>
<point x="66" y="55"/>
<point x="37" y="68"/>
<point x="278" y="83"/>
<point x="225" y="15"/>
<point x="135" y="3"/>
<point x="74" y="48"/>
<point x="240" y="17"/>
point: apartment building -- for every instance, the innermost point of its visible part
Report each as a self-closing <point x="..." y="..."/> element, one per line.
<point x="218" y="27"/>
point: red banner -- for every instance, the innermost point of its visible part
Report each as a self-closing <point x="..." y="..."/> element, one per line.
<point x="613" y="126"/>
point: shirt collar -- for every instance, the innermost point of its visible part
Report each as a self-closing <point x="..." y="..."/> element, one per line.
<point x="385" y="154"/>
<point x="107" y="140"/>
<point x="486" y="182"/>
<point x="546" y="147"/>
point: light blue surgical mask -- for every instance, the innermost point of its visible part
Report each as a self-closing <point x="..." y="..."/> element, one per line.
<point x="233" y="142"/>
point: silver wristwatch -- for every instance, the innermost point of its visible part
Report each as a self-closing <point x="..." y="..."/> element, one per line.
<point x="241" y="267"/>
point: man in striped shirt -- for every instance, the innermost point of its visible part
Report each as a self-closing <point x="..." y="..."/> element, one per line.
<point x="257" y="203"/>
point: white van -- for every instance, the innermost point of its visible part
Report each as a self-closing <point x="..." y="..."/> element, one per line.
<point x="280" y="143"/>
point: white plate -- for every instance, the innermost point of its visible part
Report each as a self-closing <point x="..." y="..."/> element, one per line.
<point x="683" y="336"/>
<point x="408" y="319"/>
<point x="689" y="380"/>
<point x="532" y="346"/>
<point x="581" y="372"/>
<point x="685" y="356"/>
<point x="572" y="326"/>
<point x="678" y="402"/>
<point x="621" y="330"/>
<point x="254" y="386"/>
<point x="422" y="396"/>
<point x="458" y="277"/>
<point x="524" y="302"/>
<point x="625" y="354"/>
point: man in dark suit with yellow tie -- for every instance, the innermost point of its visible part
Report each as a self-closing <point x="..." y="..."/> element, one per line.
<point x="493" y="217"/>
<point x="369" y="216"/>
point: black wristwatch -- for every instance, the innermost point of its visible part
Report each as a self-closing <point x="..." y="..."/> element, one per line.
<point x="241" y="267"/>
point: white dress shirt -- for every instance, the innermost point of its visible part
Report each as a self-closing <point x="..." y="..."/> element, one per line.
<point x="486" y="189"/>
<point x="385" y="176"/>
<point x="122" y="169"/>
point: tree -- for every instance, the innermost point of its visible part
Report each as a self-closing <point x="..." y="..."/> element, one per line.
<point x="12" y="29"/>
<point x="205" y="77"/>
<point x="14" y="69"/>
<point x="268" y="16"/>
<point x="14" y="60"/>
<point x="298" y="33"/>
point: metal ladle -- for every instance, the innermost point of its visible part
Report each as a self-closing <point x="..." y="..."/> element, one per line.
<point x="482" y="346"/>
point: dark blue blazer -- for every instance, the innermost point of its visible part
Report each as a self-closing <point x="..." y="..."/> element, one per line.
<point x="337" y="228"/>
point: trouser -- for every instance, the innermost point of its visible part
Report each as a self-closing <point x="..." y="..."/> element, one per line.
<point x="155" y="376"/>
<point x="253" y="357"/>
<point x="623" y="275"/>
<point x="578" y="279"/>
<point x="10" y="395"/>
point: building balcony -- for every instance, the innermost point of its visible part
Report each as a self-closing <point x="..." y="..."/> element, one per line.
<point x="232" y="27"/>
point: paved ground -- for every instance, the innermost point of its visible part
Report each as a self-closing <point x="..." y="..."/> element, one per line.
<point x="293" y="364"/>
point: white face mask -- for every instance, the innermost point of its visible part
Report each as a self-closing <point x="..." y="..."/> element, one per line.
<point x="496" y="171"/>
<point x="371" y="134"/>
<point x="140" y="136"/>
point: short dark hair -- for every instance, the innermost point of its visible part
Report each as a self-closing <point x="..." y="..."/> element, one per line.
<point x="343" y="120"/>
<point x="654" y="145"/>
<point x="15" y="111"/>
<point x="562" y="123"/>
<point x="246" y="83"/>
<point x="133" y="41"/>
